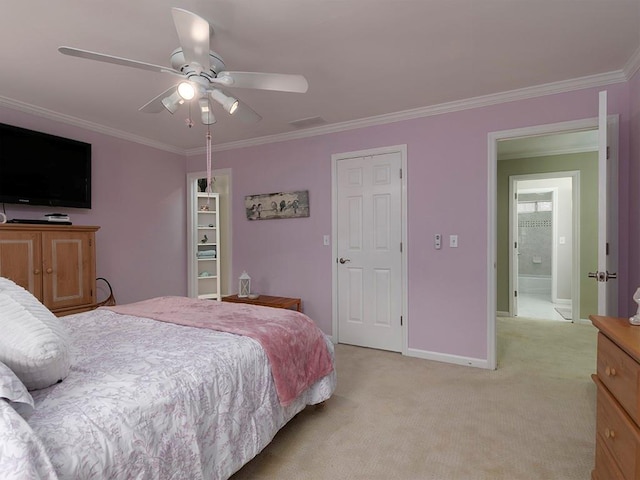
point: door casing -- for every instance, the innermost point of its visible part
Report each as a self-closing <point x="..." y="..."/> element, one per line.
<point x="335" y="158"/>
<point x="492" y="193"/>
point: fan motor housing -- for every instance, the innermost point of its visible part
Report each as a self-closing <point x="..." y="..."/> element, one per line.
<point x="178" y="62"/>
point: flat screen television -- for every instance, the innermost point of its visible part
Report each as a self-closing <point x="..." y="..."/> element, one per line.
<point x="41" y="169"/>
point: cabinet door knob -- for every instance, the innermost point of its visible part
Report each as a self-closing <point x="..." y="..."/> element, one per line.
<point x="36" y="271"/>
<point x="609" y="433"/>
<point x="611" y="372"/>
<point x="49" y="270"/>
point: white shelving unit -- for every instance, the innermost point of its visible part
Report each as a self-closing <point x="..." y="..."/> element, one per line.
<point x="204" y="271"/>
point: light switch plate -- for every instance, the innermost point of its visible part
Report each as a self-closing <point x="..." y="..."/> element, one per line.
<point x="325" y="240"/>
<point x="453" y="241"/>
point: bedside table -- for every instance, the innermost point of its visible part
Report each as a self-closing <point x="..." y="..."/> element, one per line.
<point x="267" y="301"/>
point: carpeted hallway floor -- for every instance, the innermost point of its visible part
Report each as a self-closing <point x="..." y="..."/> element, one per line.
<point x="395" y="417"/>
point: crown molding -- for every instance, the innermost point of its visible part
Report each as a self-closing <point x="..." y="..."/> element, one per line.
<point x="632" y="66"/>
<point x="476" y="102"/>
<point x="550" y="152"/>
<point x="581" y="83"/>
<point x="77" y="122"/>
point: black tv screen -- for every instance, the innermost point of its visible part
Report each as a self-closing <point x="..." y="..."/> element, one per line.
<point x="41" y="169"/>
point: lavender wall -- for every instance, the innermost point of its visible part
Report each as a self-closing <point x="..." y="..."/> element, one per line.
<point x="139" y="202"/>
<point x="634" y="191"/>
<point x="447" y="194"/>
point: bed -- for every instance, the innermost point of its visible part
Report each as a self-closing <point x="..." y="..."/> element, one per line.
<point x="147" y="398"/>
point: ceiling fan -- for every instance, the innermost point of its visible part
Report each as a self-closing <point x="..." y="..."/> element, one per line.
<point x="202" y="73"/>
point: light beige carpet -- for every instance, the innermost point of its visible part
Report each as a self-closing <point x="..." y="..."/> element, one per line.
<point x="395" y="417"/>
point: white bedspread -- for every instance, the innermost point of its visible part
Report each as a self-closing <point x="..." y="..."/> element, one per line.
<point x="153" y="400"/>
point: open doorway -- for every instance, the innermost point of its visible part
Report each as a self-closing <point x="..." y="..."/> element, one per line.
<point x="544" y="237"/>
<point x="556" y="177"/>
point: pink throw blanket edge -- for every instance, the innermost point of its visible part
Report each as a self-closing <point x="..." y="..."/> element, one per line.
<point x="294" y="345"/>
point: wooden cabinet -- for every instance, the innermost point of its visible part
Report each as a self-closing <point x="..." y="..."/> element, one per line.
<point x="204" y="254"/>
<point x="618" y="400"/>
<point x="54" y="262"/>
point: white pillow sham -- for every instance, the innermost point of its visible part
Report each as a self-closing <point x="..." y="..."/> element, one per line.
<point x="34" y="343"/>
<point x="13" y="390"/>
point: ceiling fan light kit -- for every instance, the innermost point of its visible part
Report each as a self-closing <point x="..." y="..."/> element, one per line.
<point x="230" y="104"/>
<point x="186" y="90"/>
<point x="172" y="102"/>
<point x="202" y="73"/>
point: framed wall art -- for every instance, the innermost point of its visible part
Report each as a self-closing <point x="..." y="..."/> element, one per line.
<point x="268" y="206"/>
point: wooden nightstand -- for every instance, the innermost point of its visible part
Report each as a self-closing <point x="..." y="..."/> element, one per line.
<point x="267" y="301"/>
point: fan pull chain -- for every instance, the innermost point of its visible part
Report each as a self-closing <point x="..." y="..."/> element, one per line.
<point x="208" y="165"/>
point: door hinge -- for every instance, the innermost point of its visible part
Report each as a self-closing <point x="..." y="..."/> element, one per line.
<point x="515" y="196"/>
<point x="400" y="320"/>
<point x="515" y="293"/>
<point x="608" y="151"/>
<point x="606" y="249"/>
<point x="90" y="244"/>
<point x="400" y="173"/>
<point x="400" y="247"/>
<point x="515" y="244"/>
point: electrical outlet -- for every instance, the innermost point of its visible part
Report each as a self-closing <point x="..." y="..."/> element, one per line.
<point x="437" y="241"/>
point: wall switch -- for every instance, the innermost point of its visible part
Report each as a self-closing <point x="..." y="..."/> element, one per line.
<point x="325" y="240"/>
<point x="562" y="240"/>
<point x="437" y="241"/>
<point x="453" y="241"/>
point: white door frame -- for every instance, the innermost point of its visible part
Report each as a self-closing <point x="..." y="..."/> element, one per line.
<point x="574" y="175"/>
<point x="402" y="150"/>
<point x="492" y="194"/>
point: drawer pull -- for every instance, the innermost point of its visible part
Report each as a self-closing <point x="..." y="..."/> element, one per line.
<point x="611" y="372"/>
<point x="609" y="433"/>
<point x="36" y="271"/>
<point x="50" y="270"/>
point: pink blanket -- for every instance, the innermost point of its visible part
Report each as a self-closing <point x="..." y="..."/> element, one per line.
<point x="295" y="347"/>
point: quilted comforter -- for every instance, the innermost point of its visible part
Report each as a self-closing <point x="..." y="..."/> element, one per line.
<point x="150" y="400"/>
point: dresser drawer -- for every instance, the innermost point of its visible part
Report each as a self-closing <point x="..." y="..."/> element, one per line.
<point x="617" y="433"/>
<point x="606" y="468"/>
<point x="621" y="375"/>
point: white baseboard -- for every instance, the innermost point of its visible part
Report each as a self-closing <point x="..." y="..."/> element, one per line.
<point x="563" y="301"/>
<point x="446" y="358"/>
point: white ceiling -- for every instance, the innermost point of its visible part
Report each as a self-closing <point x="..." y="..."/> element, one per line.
<point x="362" y="58"/>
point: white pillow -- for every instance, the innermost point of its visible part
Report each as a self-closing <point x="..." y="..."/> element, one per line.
<point x="13" y="390"/>
<point x="33" y="342"/>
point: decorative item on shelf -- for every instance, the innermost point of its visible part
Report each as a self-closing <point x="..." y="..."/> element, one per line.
<point x="253" y="296"/>
<point x="244" y="287"/>
<point x="635" y="320"/>
<point x="204" y="208"/>
<point x="202" y="185"/>
<point x="204" y="239"/>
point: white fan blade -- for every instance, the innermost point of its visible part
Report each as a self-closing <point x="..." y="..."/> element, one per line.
<point x="245" y="113"/>
<point x="194" y="34"/>
<point x="155" y="105"/>
<point x="264" y="81"/>
<point x="101" y="57"/>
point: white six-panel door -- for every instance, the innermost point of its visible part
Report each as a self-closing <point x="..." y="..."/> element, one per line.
<point x="369" y="258"/>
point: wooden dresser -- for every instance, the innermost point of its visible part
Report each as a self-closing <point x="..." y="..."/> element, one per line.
<point x="618" y="400"/>
<point x="56" y="263"/>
